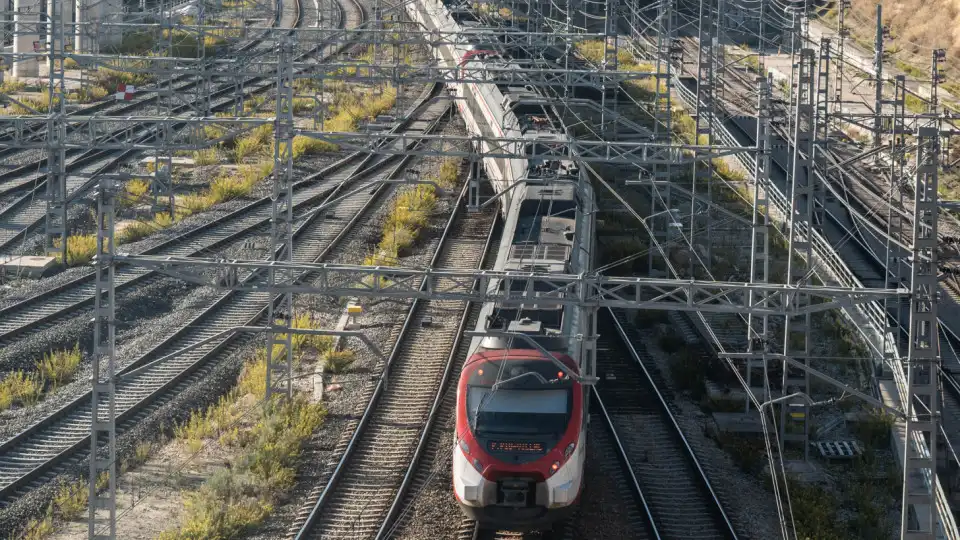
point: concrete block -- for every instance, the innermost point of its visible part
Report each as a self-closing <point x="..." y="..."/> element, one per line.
<point x="27" y="266"/>
<point x="176" y="161"/>
<point x="25" y="19"/>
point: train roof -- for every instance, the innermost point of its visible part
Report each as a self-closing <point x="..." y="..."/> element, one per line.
<point x="544" y="230"/>
<point x="564" y="192"/>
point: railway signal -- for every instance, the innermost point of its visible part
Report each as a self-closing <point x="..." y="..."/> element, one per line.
<point x="125" y="92"/>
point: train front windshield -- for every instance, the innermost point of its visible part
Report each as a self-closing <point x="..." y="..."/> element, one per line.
<point x="535" y="400"/>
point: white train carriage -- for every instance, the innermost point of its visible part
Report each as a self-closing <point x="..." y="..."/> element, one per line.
<point x="521" y="418"/>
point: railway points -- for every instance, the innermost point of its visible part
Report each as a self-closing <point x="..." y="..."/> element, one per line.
<point x="495" y="193"/>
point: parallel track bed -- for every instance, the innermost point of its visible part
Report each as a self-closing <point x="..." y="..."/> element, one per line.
<point x="357" y="498"/>
<point x="675" y="488"/>
<point x="47" y="308"/>
<point x="434" y="445"/>
<point x="27" y="212"/>
<point x="31" y="457"/>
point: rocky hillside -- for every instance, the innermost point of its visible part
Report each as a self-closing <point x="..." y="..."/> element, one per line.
<point x="917" y="27"/>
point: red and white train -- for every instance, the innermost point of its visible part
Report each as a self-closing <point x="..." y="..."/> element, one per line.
<point x="522" y="416"/>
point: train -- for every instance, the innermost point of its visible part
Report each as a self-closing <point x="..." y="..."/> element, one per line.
<point x="521" y="413"/>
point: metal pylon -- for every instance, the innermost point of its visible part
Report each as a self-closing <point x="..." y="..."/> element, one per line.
<point x="703" y="172"/>
<point x="895" y="221"/>
<point x="842" y="34"/>
<point x="664" y="67"/>
<point x="161" y="182"/>
<point x="610" y="49"/>
<point x="794" y="425"/>
<point x="758" y="327"/>
<point x="103" y="429"/>
<point x="660" y="193"/>
<point x="822" y="113"/>
<point x="923" y="355"/>
<point x="878" y="88"/>
<point x="280" y="315"/>
<point x="55" y="222"/>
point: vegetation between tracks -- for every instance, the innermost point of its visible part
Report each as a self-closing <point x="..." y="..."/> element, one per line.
<point x="262" y="441"/>
<point x="253" y="152"/>
<point x="265" y="438"/>
<point x="55" y="368"/>
<point x="409" y="213"/>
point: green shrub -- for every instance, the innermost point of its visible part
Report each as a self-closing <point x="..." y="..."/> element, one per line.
<point x="227" y="188"/>
<point x="137" y="188"/>
<point x="688" y="373"/>
<point x="815" y="512"/>
<point x="12" y="87"/>
<point x="58" y="367"/>
<point x="874" y="430"/>
<point x="213" y="132"/>
<point x="206" y="156"/>
<point x="20" y="388"/>
<point x="207" y="516"/>
<point x="142" y="229"/>
<point x="238" y="497"/>
<point x="749" y="455"/>
<point x="322" y="344"/>
<point x="671" y="343"/>
<point x="337" y="361"/>
<point x="88" y="94"/>
<point x="245" y="148"/>
<point x="141" y="454"/>
<point x="192" y="204"/>
<point x="409" y="213"/>
<point x="302" y="105"/>
<point x="304" y="146"/>
<point x="110" y="78"/>
<point x="80" y="249"/>
<point x="449" y="172"/>
<point x="41" y="105"/>
<point x="70" y="501"/>
<point x="40" y="528"/>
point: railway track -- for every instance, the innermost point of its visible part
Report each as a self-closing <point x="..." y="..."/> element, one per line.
<point x="862" y="251"/>
<point x="675" y="489"/>
<point x="434" y="440"/>
<point x="359" y="493"/>
<point x="12" y="180"/>
<point x="61" y="440"/>
<point x="26" y="212"/>
<point x="145" y="94"/>
<point x="606" y="447"/>
<point x="46" y="309"/>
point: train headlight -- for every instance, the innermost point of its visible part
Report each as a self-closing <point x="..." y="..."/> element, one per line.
<point x="554" y="467"/>
<point x="465" y="447"/>
<point x="477" y="465"/>
<point x="569" y="451"/>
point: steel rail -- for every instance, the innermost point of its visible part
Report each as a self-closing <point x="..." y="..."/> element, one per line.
<point x="392" y="518"/>
<point x="601" y="410"/>
<point x="90" y="155"/>
<point x="148" y="97"/>
<point x="869" y="317"/>
<point x="722" y="522"/>
<point x="338" y="472"/>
